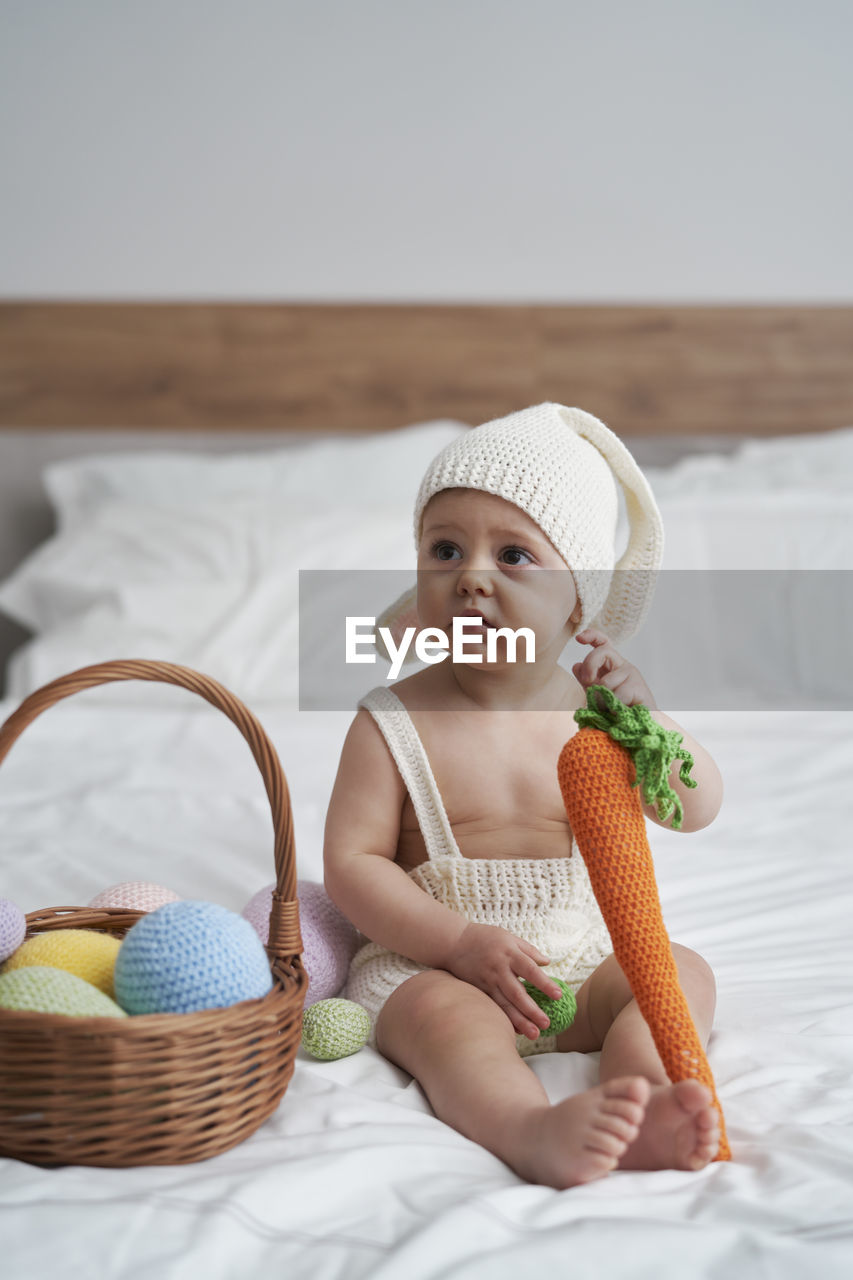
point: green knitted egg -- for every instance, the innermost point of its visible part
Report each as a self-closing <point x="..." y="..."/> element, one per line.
<point x="334" y="1029"/>
<point x="561" y="1012"/>
<point x="42" y="989"/>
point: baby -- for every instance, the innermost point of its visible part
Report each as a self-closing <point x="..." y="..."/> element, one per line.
<point x="447" y="842"/>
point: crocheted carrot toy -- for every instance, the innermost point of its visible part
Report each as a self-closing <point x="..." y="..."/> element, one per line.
<point x="618" y="751"/>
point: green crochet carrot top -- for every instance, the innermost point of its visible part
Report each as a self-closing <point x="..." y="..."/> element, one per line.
<point x="651" y="747"/>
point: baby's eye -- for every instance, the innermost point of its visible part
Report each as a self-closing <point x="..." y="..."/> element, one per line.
<point x="514" y="556"/>
<point x="445" y="551"/>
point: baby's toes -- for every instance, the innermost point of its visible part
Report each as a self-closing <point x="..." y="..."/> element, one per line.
<point x="622" y="1108"/>
<point x="605" y="1142"/>
<point x="707" y="1135"/>
<point x="626" y="1091"/>
<point x="623" y="1114"/>
<point x="625" y="1131"/>
<point x="699" y="1136"/>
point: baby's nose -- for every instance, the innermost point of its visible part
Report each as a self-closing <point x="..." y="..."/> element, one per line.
<point x="475" y="578"/>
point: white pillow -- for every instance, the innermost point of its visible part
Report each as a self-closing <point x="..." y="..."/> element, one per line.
<point x="758" y="608"/>
<point x="195" y="559"/>
<point x="782" y="503"/>
<point x="385" y="467"/>
<point x="784" y="530"/>
<point x="818" y="463"/>
<point x="211" y="587"/>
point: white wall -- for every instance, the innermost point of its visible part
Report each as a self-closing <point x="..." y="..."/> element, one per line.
<point x="544" y="150"/>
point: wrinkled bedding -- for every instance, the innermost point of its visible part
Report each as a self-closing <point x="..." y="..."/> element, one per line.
<point x="196" y="561"/>
<point x="353" y="1176"/>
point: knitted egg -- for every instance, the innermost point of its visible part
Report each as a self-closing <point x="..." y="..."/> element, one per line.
<point x="135" y="895"/>
<point x="329" y="941"/>
<point x="84" y="952"/>
<point x="13" y="928"/>
<point x="41" y="989"/>
<point x="334" y="1029"/>
<point x="561" y="1012"/>
<point x="187" y="956"/>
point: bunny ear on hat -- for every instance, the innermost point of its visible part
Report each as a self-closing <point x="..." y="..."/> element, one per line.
<point x="399" y="615"/>
<point x="631" y="589"/>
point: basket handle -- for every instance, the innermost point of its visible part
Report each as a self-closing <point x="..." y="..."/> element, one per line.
<point x="285" y="942"/>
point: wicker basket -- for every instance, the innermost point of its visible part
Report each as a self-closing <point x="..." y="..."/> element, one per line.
<point x="161" y="1088"/>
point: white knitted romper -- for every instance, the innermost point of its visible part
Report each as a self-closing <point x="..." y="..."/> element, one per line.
<point x="546" y="901"/>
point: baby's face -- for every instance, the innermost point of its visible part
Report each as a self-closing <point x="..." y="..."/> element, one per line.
<point x="479" y="554"/>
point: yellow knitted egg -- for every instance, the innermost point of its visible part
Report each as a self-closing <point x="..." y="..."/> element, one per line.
<point x="84" y="952"/>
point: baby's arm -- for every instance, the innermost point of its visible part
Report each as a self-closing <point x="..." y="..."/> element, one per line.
<point x="362" y="877"/>
<point x="376" y="894"/>
<point x="604" y="665"/>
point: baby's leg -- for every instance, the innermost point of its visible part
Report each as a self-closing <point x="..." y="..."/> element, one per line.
<point x="680" y="1128"/>
<point x="461" y="1048"/>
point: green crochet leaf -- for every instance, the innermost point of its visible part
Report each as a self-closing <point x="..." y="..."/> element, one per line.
<point x="651" y="747"/>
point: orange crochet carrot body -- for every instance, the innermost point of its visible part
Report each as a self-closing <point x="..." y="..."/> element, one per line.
<point x="605" y="812"/>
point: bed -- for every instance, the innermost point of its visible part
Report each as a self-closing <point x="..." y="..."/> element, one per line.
<point x="166" y="473"/>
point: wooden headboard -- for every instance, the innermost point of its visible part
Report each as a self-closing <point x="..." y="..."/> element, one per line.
<point x="645" y="370"/>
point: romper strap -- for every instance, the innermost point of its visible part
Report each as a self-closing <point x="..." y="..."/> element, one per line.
<point x="409" y="754"/>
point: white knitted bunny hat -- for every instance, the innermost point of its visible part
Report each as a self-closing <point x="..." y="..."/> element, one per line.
<point x="560" y="467"/>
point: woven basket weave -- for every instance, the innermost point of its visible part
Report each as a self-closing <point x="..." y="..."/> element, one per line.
<point x="160" y="1088"/>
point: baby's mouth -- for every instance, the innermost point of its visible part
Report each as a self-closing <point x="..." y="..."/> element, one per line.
<point x="473" y="617"/>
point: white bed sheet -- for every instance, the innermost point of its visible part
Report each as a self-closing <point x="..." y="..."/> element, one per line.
<point x="353" y="1176"/>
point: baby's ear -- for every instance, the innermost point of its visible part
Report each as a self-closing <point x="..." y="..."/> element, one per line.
<point x="401" y="614"/>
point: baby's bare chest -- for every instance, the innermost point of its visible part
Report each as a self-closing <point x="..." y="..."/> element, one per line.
<point x="498" y="784"/>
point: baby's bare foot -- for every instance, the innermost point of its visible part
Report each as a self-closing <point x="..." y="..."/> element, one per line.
<point x="680" y="1130"/>
<point x="585" y="1136"/>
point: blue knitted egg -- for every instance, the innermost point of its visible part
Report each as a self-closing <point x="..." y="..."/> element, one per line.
<point x="187" y="956"/>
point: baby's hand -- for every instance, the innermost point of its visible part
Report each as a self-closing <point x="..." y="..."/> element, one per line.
<point x="493" y="960"/>
<point x="603" y="665"/>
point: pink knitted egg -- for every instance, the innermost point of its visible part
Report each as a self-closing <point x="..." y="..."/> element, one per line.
<point x="329" y="941"/>
<point x="135" y="895"/>
<point x="257" y="912"/>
